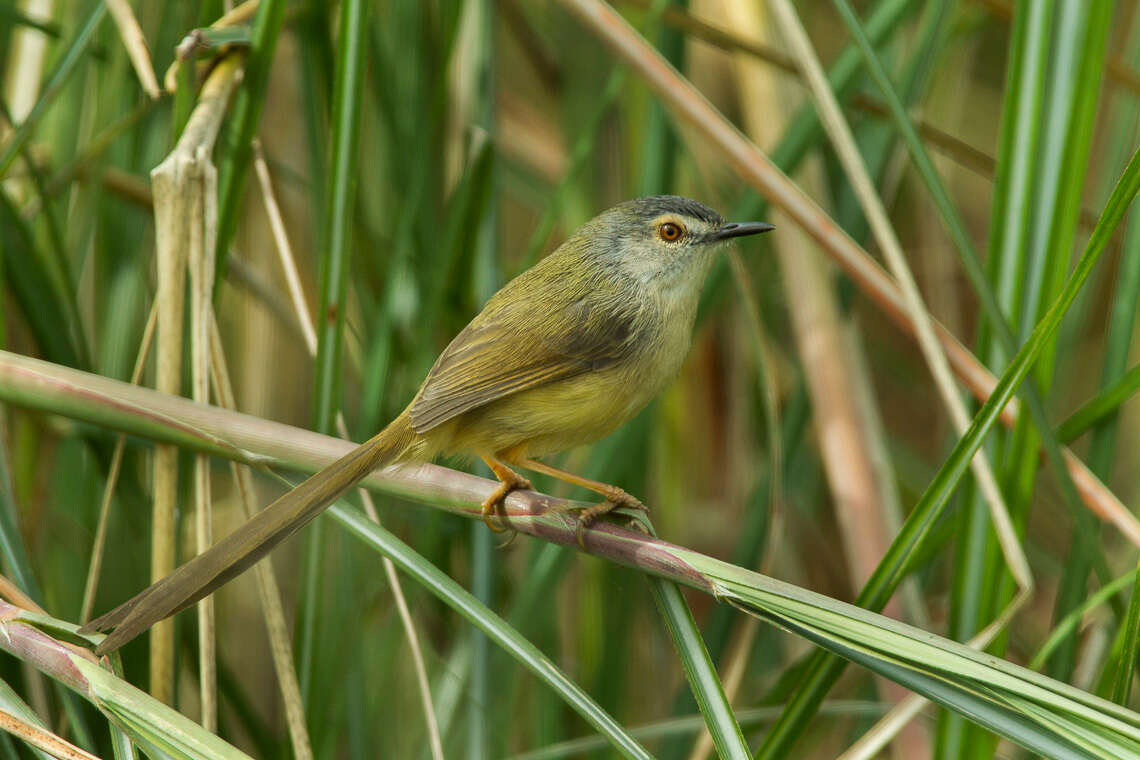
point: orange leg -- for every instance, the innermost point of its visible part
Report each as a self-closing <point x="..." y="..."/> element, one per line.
<point x="509" y="480"/>
<point x="615" y="497"/>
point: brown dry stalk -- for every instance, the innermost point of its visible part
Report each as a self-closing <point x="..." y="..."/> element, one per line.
<point x="183" y="217"/>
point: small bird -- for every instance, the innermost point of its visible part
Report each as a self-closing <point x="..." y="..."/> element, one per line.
<point x="562" y="355"/>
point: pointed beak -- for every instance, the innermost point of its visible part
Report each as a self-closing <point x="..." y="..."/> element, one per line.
<point x="740" y="229"/>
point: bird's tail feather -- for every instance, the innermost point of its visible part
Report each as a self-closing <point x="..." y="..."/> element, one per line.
<point x="241" y="549"/>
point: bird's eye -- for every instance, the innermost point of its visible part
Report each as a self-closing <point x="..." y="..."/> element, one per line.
<point x="669" y="231"/>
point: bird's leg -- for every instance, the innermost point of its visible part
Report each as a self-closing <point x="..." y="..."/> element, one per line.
<point x="616" y="498"/>
<point x="509" y="480"/>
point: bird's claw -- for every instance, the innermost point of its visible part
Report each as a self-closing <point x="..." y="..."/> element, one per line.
<point x="617" y="499"/>
<point x="493" y="505"/>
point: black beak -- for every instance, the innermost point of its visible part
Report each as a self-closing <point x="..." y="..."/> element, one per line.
<point x="740" y="229"/>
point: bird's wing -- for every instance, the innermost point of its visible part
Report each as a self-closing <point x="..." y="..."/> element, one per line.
<point x="512" y="350"/>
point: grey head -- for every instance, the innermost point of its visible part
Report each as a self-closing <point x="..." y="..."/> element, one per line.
<point x="662" y="238"/>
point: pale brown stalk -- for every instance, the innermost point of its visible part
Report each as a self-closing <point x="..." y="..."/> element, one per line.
<point x="135" y="44"/>
<point x="180" y="186"/>
<point x="42" y="739"/>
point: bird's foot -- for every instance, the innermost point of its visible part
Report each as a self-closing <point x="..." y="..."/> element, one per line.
<point x="492" y="506"/>
<point x="615" y="499"/>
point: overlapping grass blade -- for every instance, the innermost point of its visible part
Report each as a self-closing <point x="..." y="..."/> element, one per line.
<point x="1027" y="707"/>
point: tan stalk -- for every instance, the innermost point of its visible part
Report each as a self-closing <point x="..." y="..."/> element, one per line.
<point x="293" y="278"/>
<point x="687" y="104"/>
<point x="42" y="739"/>
<point x="280" y="646"/>
<point x="16" y="595"/>
<point x="26" y="58"/>
<point x="203" y="240"/>
<point x="135" y="44"/>
<point x="180" y="223"/>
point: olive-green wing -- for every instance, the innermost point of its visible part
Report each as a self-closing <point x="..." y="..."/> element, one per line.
<point x="496" y="356"/>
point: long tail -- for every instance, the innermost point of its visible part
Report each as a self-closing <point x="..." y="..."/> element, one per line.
<point x="241" y="549"/>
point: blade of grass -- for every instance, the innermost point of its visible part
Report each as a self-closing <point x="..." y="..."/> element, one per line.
<point x="1101" y="409"/>
<point x="954" y="225"/>
<point x="896" y="562"/>
<point x="689" y="724"/>
<point x="1122" y="685"/>
<point x="243" y="127"/>
<point x="33" y="288"/>
<point x="876" y="214"/>
<point x="337" y="247"/>
<point x="1122" y="315"/>
<point x="60" y="75"/>
<point x="703" y="680"/>
<point x="490" y="624"/>
<point x="1073" y="88"/>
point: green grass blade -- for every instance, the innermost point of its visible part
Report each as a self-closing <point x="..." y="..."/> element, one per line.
<point x="32" y="287"/>
<point x="337" y="247"/>
<point x="55" y="82"/>
<point x="1102" y="407"/>
<point x="245" y="116"/>
<point x="496" y="629"/>
<point x="700" y="671"/>
<point x="1122" y="685"/>
<point x="338" y="229"/>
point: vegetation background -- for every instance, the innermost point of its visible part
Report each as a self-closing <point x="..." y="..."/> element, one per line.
<point x="421" y="154"/>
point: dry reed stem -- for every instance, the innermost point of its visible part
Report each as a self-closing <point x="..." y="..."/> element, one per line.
<point x="679" y="95"/>
<point x="42" y="739"/>
<point x="308" y="329"/>
<point x="135" y="44"/>
<point x="180" y="208"/>
<point x="280" y="646"/>
<point x="16" y="595"/>
<point x="203" y="241"/>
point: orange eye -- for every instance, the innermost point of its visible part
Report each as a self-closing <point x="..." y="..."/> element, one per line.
<point x="669" y="231"/>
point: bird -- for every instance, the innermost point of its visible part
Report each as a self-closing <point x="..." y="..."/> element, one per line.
<point x="562" y="355"/>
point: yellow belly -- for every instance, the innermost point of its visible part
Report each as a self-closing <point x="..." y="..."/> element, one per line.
<point x="549" y="418"/>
